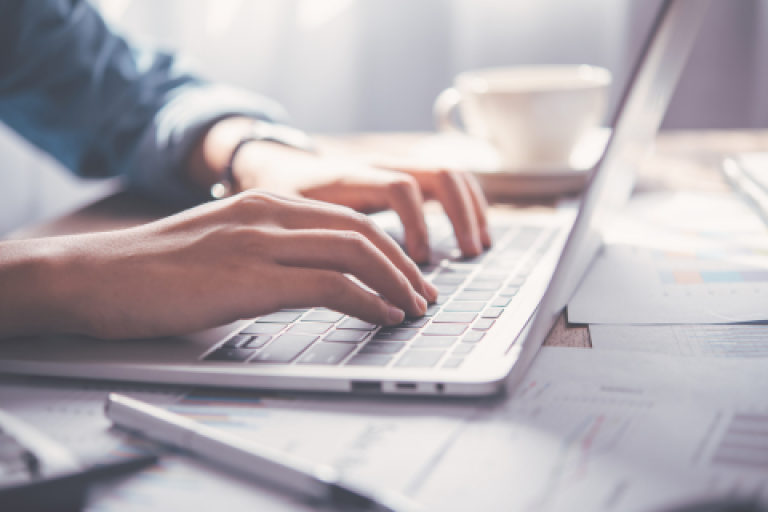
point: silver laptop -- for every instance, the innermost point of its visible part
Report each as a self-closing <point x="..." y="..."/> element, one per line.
<point x="493" y="314"/>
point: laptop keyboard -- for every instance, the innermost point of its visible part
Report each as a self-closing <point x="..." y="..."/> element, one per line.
<point x="474" y="293"/>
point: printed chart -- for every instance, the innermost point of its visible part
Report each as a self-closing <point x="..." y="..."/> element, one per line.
<point x="678" y="258"/>
<point x="700" y="340"/>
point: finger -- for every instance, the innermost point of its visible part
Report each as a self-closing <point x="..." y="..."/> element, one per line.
<point x="481" y="206"/>
<point x="347" y="252"/>
<point x="381" y="190"/>
<point x="310" y="214"/>
<point x="450" y="189"/>
<point x="325" y="288"/>
<point x="406" y="200"/>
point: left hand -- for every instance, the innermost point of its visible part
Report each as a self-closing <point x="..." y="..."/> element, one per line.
<point x="365" y="188"/>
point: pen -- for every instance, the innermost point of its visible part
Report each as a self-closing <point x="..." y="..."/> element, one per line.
<point x="316" y="481"/>
<point x="68" y="490"/>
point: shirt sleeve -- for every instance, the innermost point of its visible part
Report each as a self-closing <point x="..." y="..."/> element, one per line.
<point x="104" y="108"/>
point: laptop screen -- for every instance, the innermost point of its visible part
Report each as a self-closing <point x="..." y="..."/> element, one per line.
<point x="640" y="113"/>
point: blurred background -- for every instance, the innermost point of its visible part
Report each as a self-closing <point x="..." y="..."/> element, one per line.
<point x="343" y="66"/>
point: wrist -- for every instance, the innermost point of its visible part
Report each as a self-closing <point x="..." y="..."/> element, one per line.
<point x="215" y="162"/>
<point x="262" y="165"/>
<point x="209" y="159"/>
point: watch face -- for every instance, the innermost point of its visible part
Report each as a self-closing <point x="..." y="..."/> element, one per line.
<point x="220" y="190"/>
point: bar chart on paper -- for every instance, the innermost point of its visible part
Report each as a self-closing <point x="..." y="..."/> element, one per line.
<point x="713" y="277"/>
<point x="697" y="340"/>
<point x="637" y="285"/>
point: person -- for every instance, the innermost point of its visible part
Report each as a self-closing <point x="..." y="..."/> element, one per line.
<point x="286" y="236"/>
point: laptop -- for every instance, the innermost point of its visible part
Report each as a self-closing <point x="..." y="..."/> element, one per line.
<point x="493" y="314"/>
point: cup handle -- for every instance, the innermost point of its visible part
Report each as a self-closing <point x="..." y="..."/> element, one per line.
<point x="443" y="109"/>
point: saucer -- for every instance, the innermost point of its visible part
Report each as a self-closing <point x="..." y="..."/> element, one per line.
<point x="533" y="181"/>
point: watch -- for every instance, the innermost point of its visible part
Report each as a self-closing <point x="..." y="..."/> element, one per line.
<point x="260" y="130"/>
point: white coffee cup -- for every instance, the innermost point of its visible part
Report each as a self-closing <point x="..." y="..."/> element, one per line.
<point x="534" y="116"/>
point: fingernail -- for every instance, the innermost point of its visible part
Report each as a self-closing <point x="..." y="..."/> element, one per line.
<point x="421" y="304"/>
<point x="478" y="245"/>
<point x="394" y="315"/>
<point x="430" y="291"/>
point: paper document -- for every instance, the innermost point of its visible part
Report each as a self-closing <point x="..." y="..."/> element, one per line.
<point x="695" y="340"/>
<point x="601" y="431"/>
<point x="675" y="259"/>
<point x="388" y="443"/>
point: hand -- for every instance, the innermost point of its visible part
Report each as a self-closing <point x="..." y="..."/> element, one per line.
<point x="365" y="188"/>
<point x="241" y="257"/>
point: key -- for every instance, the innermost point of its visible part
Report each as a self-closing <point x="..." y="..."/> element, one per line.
<point x="444" y="330"/>
<point x="354" y="323"/>
<point x="474" y="295"/>
<point x="285" y="348"/>
<point x="449" y="279"/>
<point x="432" y="310"/>
<point x="236" y="341"/>
<point x="509" y="291"/>
<point x="369" y="360"/>
<point x="322" y="316"/>
<point x="279" y="318"/>
<point x="395" y="334"/>
<point x="420" y="358"/>
<point x="516" y="281"/>
<point x="503" y="262"/>
<point x="446" y="289"/>
<point x="501" y="302"/>
<point x="483" y="324"/>
<point x="326" y="353"/>
<point x="454" y="318"/>
<point x="263" y="328"/>
<point x="453" y="362"/>
<point x="308" y="328"/>
<point x="475" y="259"/>
<point x="485" y="286"/>
<point x="434" y="341"/>
<point x="473" y="336"/>
<point x="347" y="336"/>
<point x="462" y="349"/>
<point x="442" y="299"/>
<point x="492" y="312"/>
<point x="456" y="269"/>
<point x="428" y="268"/>
<point x="257" y="341"/>
<point x="414" y="322"/>
<point x="491" y="275"/>
<point x="382" y="347"/>
<point x="498" y="232"/>
<point x="474" y="306"/>
<point x="229" y="354"/>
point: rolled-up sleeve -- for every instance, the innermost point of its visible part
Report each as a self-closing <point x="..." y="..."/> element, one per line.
<point x="103" y="108"/>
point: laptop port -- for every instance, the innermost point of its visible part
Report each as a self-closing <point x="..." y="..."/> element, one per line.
<point x="366" y="386"/>
<point x="406" y="385"/>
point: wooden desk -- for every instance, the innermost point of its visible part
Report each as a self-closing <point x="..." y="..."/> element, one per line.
<point x="682" y="160"/>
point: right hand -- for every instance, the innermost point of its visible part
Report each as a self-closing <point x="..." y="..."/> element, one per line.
<point x="238" y="258"/>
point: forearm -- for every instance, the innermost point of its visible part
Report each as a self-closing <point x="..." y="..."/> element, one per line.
<point x="35" y="289"/>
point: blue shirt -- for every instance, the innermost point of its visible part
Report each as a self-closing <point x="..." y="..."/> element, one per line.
<point x="104" y="108"/>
